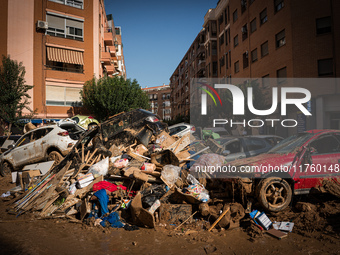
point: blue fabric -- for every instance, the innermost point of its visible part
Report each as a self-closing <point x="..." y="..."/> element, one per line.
<point x="103" y="199"/>
<point x="113" y="219"/>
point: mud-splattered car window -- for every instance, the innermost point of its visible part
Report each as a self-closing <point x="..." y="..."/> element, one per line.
<point x="254" y="144"/>
<point x="24" y="140"/>
<point x="290" y="144"/>
<point x="327" y="144"/>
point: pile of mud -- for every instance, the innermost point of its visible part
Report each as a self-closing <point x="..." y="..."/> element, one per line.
<point x="313" y="219"/>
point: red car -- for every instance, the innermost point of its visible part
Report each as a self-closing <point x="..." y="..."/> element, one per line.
<point x="295" y="166"/>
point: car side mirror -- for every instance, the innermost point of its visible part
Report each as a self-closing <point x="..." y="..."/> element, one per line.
<point x="11" y="146"/>
<point x="226" y="152"/>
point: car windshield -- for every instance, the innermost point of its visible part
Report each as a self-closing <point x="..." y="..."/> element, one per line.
<point x="289" y="144"/>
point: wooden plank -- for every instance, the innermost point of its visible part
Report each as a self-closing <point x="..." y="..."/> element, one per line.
<point x="218" y="220"/>
<point x="82" y="153"/>
<point x="92" y="155"/>
<point x="87" y="155"/>
<point x="186" y="220"/>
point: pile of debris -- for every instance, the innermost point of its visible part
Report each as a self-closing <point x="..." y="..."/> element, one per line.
<point x="130" y="172"/>
<point x="126" y="172"/>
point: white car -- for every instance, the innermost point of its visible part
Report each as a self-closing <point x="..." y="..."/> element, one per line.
<point x="45" y="143"/>
<point x="181" y="129"/>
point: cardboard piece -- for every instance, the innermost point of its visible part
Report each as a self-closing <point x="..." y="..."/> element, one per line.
<point x="140" y="215"/>
<point x="44" y="167"/>
<point x="165" y="140"/>
<point x="85" y="180"/>
<point x="28" y="175"/>
<point x="84" y="208"/>
<point x="180" y="144"/>
<point x="283" y="226"/>
<point x="14" y="177"/>
<point x="277" y="233"/>
<point x="174" y="213"/>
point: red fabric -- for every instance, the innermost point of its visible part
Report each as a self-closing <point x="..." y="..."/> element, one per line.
<point x="111" y="187"/>
<point x="107" y="185"/>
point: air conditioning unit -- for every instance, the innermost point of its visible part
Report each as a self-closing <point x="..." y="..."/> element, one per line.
<point x="42" y="24"/>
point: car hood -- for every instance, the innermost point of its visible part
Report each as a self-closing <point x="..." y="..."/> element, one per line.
<point x="265" y="159"/>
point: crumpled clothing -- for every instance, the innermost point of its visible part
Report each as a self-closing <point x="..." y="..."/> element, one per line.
<point x="112" y="220"/>
<point x="111" y="187"/>
<point x="103" y="199"/>
<point x="107" y="185"/>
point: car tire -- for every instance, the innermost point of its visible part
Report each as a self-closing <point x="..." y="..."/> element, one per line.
<point x="91" y="126"/>
<point x="274" y="194"/>
<point x="56" y="156"/>
<point x="5" y="169"/>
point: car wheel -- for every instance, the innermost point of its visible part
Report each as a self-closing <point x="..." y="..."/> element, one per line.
<point x="91" y="126"/>
<point x="56" y="156"/>
<point x="274" y="194"/>
<point x="5" y="169"/>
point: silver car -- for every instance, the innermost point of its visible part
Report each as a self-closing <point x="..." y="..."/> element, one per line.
<point x="247" y="146"/>
<point x="181" y="129"/>
<point x="45" y="143"/>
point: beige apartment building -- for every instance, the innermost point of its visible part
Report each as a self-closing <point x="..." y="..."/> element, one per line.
<point x="62" y="44"/>
<point x="269" y="39"/>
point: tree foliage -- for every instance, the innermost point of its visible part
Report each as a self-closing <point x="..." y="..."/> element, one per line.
<point x="107" y="96"/>
<point x="13" y="96"/>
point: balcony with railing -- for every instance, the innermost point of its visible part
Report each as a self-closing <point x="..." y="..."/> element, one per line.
<point x="112" y="50"/>
<point x="109" y="69"/>
<point x="108" y="36"/>
<point x="105" y="57"/>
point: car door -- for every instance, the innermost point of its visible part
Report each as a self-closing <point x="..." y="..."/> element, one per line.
<point x="41" y="143"/>
<point x="24" y="150"/>
<point x="181" y="130"/>
<point x="236" y="149"/>
<point x="324" y="161"/>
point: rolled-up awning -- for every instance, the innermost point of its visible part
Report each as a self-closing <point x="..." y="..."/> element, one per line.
<point x="65" y="56"/>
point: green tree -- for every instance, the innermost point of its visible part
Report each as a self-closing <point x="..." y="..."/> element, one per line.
<point x="13" y="96"/>
<point x="107" y="96"/>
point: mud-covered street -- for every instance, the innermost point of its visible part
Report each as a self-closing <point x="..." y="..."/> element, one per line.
<point x="316" y="231"/>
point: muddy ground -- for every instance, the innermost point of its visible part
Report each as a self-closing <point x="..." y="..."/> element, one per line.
<point x="316" y="231"/>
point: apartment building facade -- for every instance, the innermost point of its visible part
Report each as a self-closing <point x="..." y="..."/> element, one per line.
<point x="193" y="65"/>
<point x="159" y="99"/>
<point x="277" y="39"/>
<point x="62" y="44"/>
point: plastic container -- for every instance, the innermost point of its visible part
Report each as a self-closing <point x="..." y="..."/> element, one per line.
<point x="155" y="206"/>
<point x="170" y="174"/>
<point x="148" y="167"/>
<point x="121" y="163"/>
<point x="192" y="179"/>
